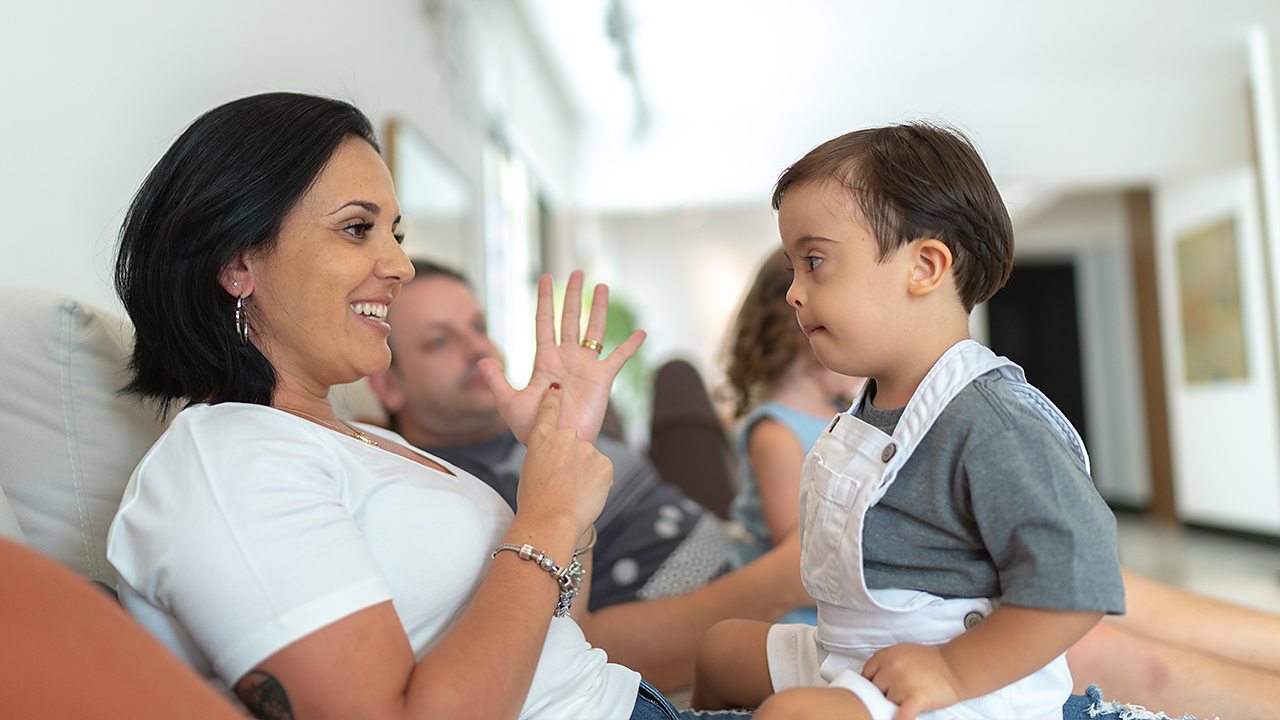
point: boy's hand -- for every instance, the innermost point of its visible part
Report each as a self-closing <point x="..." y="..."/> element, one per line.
<point x="914" y="677"/>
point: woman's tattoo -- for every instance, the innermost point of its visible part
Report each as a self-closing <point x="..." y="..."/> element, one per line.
<point x="265" y="697"/>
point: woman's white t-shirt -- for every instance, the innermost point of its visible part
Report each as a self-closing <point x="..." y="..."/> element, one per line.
<point x="246" y="528"/>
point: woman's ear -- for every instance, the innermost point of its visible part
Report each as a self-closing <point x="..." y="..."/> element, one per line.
<point x="932" y="266"/>
<point x="235" y="278"/>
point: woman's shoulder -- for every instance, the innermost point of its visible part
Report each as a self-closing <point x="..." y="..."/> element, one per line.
<point x="805" y="426"/>
<point x="238" y="430"/>
<point x="238" y="419"/>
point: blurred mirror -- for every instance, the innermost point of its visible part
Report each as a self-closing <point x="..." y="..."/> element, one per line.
<point x="437" y="205"/>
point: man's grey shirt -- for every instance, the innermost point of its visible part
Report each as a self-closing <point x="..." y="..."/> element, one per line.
<point x="653" y="541"/>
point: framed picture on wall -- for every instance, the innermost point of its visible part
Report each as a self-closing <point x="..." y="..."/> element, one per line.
<point x="1213" y="342"/>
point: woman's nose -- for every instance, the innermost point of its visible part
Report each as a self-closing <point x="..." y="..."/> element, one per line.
<point x="395" y="265"/>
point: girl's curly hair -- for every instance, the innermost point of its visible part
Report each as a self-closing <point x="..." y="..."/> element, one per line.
<point x="766" y="337"/>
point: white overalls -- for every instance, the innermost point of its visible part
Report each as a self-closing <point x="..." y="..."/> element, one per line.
<point x="848" y="470"/>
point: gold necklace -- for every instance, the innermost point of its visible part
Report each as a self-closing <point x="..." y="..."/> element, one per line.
<point x="346" y="428"/>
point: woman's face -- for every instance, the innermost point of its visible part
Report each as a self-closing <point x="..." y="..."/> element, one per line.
<point x="318" y="299"/>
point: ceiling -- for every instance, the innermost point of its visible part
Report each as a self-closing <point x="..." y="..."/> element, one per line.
<point x="1058" y="96"/>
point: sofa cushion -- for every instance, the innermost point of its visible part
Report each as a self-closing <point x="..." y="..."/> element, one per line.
<point x="8" y="523"/>
<point x="68" y="439"/>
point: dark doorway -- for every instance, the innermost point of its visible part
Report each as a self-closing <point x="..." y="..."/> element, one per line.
<point x="1034" y="322"/>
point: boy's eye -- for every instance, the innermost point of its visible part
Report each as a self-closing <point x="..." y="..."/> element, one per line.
<point x="812" y="262"/>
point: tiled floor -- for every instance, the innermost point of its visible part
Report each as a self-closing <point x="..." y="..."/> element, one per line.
<point x="1242" y="571"/>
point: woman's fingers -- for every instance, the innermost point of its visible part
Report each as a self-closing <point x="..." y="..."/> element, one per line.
<point x="597" y="320"/>
<point x="623" y="352"/>
<point x="494" y="376"/>
<point x="571" y="315"/>
<point x="548" y="411"/>
<point x="545" y="316"/>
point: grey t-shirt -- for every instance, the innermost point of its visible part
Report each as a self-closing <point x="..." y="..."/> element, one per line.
<point x="993" y="504"/>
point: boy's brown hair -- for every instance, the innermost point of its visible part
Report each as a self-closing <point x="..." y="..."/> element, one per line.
<point x="919" y="180"/>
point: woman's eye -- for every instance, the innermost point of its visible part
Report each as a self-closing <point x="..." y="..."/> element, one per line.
<point x="358" y="230"/>
<point x="812" y="262"/>
<point x="399" y="238"/>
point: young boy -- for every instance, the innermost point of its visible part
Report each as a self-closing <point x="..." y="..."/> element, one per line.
<point x="951" y="535"/>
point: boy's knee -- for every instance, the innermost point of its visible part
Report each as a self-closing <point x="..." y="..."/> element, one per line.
<point x="811" y="702"/>
<point x="719" y="643"/>
<point x="726" y="631"/>
<point x="732" y="669"/>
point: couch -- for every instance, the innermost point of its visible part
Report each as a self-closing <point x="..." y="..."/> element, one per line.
<point x="68" y="443"/>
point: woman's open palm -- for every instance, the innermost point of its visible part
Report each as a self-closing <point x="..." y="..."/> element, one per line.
<point x="584" y="377"/>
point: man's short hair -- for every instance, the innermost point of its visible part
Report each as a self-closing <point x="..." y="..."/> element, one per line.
<point x="424" y="269"/>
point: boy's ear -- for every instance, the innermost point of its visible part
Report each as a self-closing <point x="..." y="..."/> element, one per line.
<point x="933" y="261"/>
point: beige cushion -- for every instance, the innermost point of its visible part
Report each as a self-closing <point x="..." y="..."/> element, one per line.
<point x="356" y="401"/>
<point x="8" y="523"/>
<point x="68" y="439"/>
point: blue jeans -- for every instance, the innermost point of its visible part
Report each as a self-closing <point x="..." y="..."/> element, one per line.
<point x="651" y="705"/>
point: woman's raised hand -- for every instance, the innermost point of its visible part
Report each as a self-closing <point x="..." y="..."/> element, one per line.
<point x="583" y="376"/>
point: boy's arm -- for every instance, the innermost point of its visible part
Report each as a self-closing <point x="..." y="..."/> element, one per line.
<point x="1010" y="644"/>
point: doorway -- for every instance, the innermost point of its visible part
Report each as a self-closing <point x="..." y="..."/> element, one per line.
<point x="1035" y="322"/>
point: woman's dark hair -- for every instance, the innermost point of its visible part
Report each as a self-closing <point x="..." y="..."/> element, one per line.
<point x="224" y="187"/>
<point x="766" y="337"/>
<point x="915" y="181"/>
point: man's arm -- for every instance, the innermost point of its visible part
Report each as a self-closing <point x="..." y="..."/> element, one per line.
<point x="660" y="638"/>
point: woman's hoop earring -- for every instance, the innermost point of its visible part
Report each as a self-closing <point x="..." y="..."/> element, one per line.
<point x="242" y="321"/>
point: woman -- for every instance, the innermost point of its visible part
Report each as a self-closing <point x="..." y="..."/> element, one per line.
<point x="784" y="398"/>
<point x="319" y="568"/>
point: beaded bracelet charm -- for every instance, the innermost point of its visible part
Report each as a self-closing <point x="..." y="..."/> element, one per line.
<point x="569" y="578"/>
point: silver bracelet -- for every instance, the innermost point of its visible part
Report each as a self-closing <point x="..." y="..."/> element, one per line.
<point x="590" y="543"/>
<point x="569" y="578"/>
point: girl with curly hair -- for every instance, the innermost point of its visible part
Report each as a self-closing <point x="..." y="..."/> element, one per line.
<point x="783" y="398"/>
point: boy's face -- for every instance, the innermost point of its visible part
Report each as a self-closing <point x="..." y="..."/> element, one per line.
<point x="850" y="305"/>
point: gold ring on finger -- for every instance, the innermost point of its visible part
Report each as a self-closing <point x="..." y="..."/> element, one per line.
<point x="595" y="345"/>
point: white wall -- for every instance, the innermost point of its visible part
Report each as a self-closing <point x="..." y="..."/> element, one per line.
<point x="685" y="272"/>
<point x="1226" y="460"/>
<point x="97" y="91"/>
